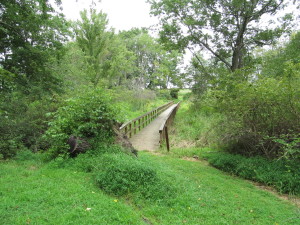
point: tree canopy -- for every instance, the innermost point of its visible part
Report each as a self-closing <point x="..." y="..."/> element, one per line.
<point x="32" y="34"/>
<point x="228" y="30"/>
<point x="93" y="37"/>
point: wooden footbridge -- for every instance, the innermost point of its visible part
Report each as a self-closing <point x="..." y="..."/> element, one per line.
<point x="149" y="131"/>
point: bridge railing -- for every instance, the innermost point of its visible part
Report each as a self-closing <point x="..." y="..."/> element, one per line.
<point x="163" y="130"/>
<point x="133" y="126"/>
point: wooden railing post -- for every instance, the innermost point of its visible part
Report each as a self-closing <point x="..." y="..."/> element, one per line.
<point x="163" y="130"/>
<point x="160" y="137"/>
<point x="134" y="127"/>
<point x="139" y="124"/>
<point x="167" y="138"/>
<point x="130" y="130"/>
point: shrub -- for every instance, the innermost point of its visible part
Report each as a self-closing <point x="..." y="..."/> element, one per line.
<point x="89" y="115"/>
<point x="88" y="162"/>
<point x="23" y="122"/>
<point x="258" y="113"/>
<point x="283" y="174"/>
<point x="25" y="155"/>
<point x="174" y="93"/>
<point x="163" y="94"/>
<point x="122" y="174"/>
<point x="10" y="143"/>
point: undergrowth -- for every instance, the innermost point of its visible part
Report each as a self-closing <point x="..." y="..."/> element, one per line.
<point x="194" y="127"/>
<point x="196" y="132"/>
<point x="282" y="174"/>
<point x="119" y="174"/>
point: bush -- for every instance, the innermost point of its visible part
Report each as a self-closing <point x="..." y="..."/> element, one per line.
<point x="90" y="116"/>
<point x="122" y="174"/>
<point x="163" y="94"/>
<point x="261" y="107"/>
<point x="88" y="162"/>
<point x="23" y="122"/>
<point x="10" y="142"/>
<point x="118" y="173"/>
<point x="174" y="93"/>
<point x="283" y="174"/>
<point x="259" y="113"/>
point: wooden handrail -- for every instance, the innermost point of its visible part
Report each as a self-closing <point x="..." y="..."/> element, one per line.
<point x="163" y="130"/>
<point x="131" y="127"/>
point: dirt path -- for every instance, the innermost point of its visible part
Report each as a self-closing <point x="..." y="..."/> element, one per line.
<point x="148" y="138"/>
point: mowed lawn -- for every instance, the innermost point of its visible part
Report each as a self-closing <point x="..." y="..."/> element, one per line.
<point x="36" y="193"/>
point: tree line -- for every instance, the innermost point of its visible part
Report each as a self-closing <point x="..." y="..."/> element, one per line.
<point x="251" y="92"/>
<point x="44" y="59"/>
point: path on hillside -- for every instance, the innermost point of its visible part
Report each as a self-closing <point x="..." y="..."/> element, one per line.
<point x="148" y="138"/>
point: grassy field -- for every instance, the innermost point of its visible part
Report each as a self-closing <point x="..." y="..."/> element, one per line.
<point x="39" y="194"/>
<point x="110" y="187"/>
<point x="32" y="192"/>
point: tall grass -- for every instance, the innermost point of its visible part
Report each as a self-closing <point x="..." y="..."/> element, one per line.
<point x="194" y="127"/>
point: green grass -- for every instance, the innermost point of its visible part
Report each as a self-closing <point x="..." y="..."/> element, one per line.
<point x="282" y="174"/>
<point x="132" y="114"/>
<point x="208" y="196"/>
<point x="192" y="127"/>
<point x="183" y="92"/>
<point x="37" y="193"/>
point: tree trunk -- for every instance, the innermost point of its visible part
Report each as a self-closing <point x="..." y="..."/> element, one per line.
<point x="237" y="56"/>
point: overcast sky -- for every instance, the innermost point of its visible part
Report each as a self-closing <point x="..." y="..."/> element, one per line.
<point x="122" y="14"/>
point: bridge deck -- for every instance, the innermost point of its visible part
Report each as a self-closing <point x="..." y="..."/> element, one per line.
<point x="148" y="138"/>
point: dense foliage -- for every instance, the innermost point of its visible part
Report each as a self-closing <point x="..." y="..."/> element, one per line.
<point x="89" y="115"/>
<point x="227" y="30"/>
<point x="40" y="67"/>
<point x="261" y="112"/>
<point x="281" y="174"/>
<point x="32" y="36"/>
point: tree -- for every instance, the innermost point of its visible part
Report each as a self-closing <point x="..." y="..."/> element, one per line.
<point x="154" y="66"/>
<point x="120" y="63"/>
<point x="168" y="71"/>
<point x="274" y="63"/>
<point x="93" y="38"/>
<point x="32" y="34"/>
<point x="228" y="30"/>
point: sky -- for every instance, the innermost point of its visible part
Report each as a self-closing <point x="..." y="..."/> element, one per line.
<point x="122" y="14"/>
